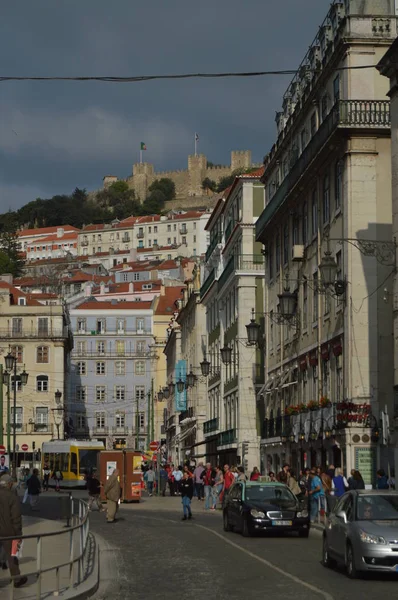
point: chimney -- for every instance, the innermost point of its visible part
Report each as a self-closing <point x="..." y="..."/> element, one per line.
<point x="87" y="290"/>
<point x="7" y="277"/>
<point x="60" y="232"/>
<point x="102" y="288"/>
<point x="131" y="287"/>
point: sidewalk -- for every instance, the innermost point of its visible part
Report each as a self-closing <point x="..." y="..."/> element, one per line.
<point x="55" y="550"/>
<point x="168" y="503"/>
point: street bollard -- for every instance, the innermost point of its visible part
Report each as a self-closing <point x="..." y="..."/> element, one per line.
<point x="66" y="508"/>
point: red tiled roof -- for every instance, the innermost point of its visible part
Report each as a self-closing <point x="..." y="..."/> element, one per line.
<point x="16" y="293"/>
<point x="109" y="305"/>
<point x="46" y="230"/>
<point x="123" y="287"/>
<point x="72" y="235"/>
<point x="167" y="303"/>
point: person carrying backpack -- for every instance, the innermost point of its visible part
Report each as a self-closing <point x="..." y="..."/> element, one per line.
<point x="58" y="477"/>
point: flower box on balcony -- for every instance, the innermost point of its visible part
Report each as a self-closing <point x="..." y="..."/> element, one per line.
<point x="313" y="405"/>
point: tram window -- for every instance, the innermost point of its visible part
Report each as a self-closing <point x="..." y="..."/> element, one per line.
<point x="73" y="462"/>
<point x="64" y="462"/>
<point x="88" y="460"/>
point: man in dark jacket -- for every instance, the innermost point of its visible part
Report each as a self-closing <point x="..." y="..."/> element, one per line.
<point x="10" y="525"/>
<point x="94" y="491"/>
<point x="186" y="493"/>
<point x="34" y="488"/>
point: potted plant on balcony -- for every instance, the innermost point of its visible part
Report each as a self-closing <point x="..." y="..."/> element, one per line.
<point x="292" y="410"/>
<point x="303" y="408"/>
<point x="313" y="405"/>
<point x="324" y="402"/>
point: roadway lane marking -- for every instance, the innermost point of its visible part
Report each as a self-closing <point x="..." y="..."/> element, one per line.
<point x="309" y="586"/>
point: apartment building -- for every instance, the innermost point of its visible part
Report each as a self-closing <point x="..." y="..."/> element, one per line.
<point x="57" y="245"/>
<point x="40" y="339"/>
<point x="27" y="237"/>
<point x="112" y="366"/>
<point x="326" y="231"/>
<point x="233" y="285"/>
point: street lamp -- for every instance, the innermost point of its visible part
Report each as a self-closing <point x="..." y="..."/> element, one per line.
<point x="205" y="367"/>
<point x="160" y="395"/>
<point x="226" y="354"/>
<point x="180" y="386"/>
<point x="287" y="304"/>
<point x="11" y="366"/>
<point x="253" y="330"/>
<point x="328" y="269"/>
<point x="191" y="378"/>
<point x="172" y="386"/>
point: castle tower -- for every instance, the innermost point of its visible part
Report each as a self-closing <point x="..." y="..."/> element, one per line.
<point x="108" y="180"/>
<point x="241" y="159"/>
<point x="141" y="180"/>
<point x="197" y="166"/>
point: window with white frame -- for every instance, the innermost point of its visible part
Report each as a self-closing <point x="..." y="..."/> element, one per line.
<point x="17" y="417"/>
<point x="120" y="323"/>
<point x="100" y="393"/>
<point x="120" y="347"/>
<point x="140" y="324"/>
<point x="42" y="325"/>
<point x="140" y="347"/>
<point x="81" y="368"/>
<point x="120" y="419"/>
<point x="120" y="392"/>
<point x="101" y="347"/>
<point x="100" y="368"/>
<point x="81" y="393"/>
<point x="81" y="421"/>
<point x="81" y="348"/>
<point x="16" y="381"/>
<point x="41" y="417"/>
<point x="120" y="367"/>
<point x="100" y="420"/>
<point x="17" y="352"/>
<point x="81" y="325"/>
<point x="42" y="383"/>
<point x="42" y="354"/>
<point x="101" y="325"/>
<point x="140" y="393"/>
<point x="141" y="420"/>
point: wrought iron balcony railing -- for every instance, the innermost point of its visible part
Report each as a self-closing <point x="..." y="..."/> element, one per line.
<point x="227" y="437"/>
<point x="210" y="426"/>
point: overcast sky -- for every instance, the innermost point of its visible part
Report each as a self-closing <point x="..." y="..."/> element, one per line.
<point x="55" y="136"/>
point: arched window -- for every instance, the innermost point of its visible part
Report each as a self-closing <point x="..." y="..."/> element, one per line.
<point x="42" y="383"/>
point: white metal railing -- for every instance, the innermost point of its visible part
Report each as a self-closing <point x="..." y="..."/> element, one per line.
<point x="75" y="550"/>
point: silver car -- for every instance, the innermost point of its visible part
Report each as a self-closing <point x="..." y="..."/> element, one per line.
<point x="362" y="532"/>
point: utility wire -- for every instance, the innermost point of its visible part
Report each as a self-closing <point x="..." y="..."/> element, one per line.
<point x="141" y="78"/>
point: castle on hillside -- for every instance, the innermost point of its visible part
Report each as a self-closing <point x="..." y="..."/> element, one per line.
<point x="188" y="182"/>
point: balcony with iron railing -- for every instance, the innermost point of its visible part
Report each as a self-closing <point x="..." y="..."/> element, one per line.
<point x="120" y="430"/>
<point x="346" y="114"/>
<point x="186" y="414"/>
<point x="211" y="426"/>
<point x="208" y="282"/>
<point x="183" y="230"/>
<point x="217" y="239"/>
<point x="97" y="430"/>
<point x="126" y="238"/>
<point x="228" y="230"/>
<point x="276" y="427"/>
<point x="34" y="333"/>
<point x="140" y="235"/>
<point x="226" y="438"/>
<point x="80" y="353"/>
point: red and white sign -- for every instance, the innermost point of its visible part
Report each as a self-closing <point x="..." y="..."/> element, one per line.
<point x="24" y="447"/>
<point x="153" y="446"/>
<point x="2" y="449"/>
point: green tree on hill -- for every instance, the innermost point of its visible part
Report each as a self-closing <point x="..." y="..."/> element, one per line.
<point x="209" y="184"/>
<point x="166" y="186"/>
<point x="11" y="260"/>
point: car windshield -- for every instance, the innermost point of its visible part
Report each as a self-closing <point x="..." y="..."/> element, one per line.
<point x="377" y="507"/>
<point x="280" y="496"/>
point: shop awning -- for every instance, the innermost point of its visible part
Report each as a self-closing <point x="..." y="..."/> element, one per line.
<point x="186" y="433"/>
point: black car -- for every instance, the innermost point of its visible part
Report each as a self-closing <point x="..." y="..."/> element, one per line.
<point x="253" y="507"/>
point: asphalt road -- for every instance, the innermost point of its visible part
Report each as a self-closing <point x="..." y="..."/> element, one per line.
<point x="149" y="553"/>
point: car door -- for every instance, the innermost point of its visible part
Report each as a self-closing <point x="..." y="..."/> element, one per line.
<point x="334" y="523"/>
<point x="235" y="498"/>
<point x="341" y="528"/>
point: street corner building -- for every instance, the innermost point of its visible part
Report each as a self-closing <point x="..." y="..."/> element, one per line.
<point x="330" y="256"/>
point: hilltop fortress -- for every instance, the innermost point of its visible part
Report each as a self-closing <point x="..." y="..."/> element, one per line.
<point x="188" y="182"/>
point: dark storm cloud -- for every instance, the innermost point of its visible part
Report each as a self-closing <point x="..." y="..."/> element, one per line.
<point x="56" y="135"/>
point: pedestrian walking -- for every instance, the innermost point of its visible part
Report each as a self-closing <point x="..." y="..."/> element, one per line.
<point x="177" y="474"/>
<point x="34" y="489"/>
<point x="340" y="483"/>
<point x="163" y="480"/>
<point x="46" y="477"/>
<point x="186" y="494"/>
<point x="355" y="482"/>
<point x="10" y="526"/>
<point x="218" y="486"/>
<point x="229" y="479"/>
<point x="198" y="481"/>
<point x="241" y="474"/>
<point x="94" y="491"/>
<point x="149" y="478"/>
<point x="208" y="478"/>
<point x="316" y="494"/>
<point x="382" y="480"/>
<point x="171" y="480"/>
<point x="112" y="495"/>
<point x="255" y="474"/>
<point x="58" y="477"/>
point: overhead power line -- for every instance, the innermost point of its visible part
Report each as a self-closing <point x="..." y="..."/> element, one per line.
<point x="141" y="78"/>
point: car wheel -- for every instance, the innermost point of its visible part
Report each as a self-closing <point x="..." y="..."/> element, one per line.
<point x="304" y="533"/>
<point x="245" y="528"/>
<point x="352" y="571"/>
<point x="326" y="560"/>
<point x="227" y="525"/>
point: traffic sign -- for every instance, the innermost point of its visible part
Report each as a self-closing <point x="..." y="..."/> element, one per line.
<point x="154" y="446"/>
<point x="2" y="449"/>
<point x="24" y="447"/>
